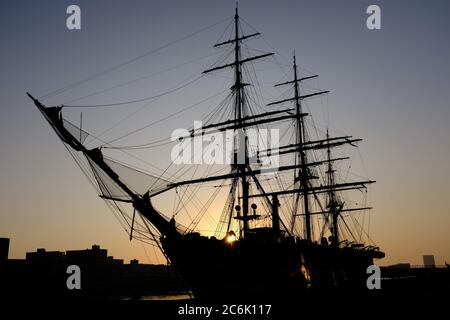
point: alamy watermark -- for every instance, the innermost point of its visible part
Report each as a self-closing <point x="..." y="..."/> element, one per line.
<point x="374" y="280"/>
<point x="226" y="147"/>
<point x="74" y="280"/>
<point x="73" y="21"/>
<point x="373" y="21"/>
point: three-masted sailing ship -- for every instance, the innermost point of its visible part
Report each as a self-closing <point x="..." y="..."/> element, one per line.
<point x="254" y="251"/>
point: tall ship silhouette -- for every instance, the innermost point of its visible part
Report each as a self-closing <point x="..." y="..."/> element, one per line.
<point x="286" y="226"/>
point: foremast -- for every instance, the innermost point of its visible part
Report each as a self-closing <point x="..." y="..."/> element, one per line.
<point x="240" y="164"/>
<point x="240" y="156"/>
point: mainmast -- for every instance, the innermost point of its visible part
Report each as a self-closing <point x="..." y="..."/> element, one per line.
<point x="333" y="205"/>
<point x="302" y="174"/>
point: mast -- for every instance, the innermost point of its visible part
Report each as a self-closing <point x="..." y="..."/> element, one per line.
<point x="242" y="153"/>
<point x="302" y="175"/>
<point x="240" y="157"/>
<point x="332" y="204"/>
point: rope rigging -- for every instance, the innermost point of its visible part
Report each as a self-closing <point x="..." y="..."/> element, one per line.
<point x="116" y="104"/>
<point x="163" y="119"/>
<point x="120" y="65"/>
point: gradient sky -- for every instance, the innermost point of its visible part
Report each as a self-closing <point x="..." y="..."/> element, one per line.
<point x="389" y="87"/>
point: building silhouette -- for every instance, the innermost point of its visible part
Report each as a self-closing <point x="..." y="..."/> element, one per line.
<point x="4" y="249"/>
<point x="43" y="274"/>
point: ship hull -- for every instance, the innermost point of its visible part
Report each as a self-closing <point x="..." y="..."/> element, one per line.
<point x="253" y="268"/>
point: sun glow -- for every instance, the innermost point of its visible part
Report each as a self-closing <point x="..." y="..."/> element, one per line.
<point x="231" y="237"/>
